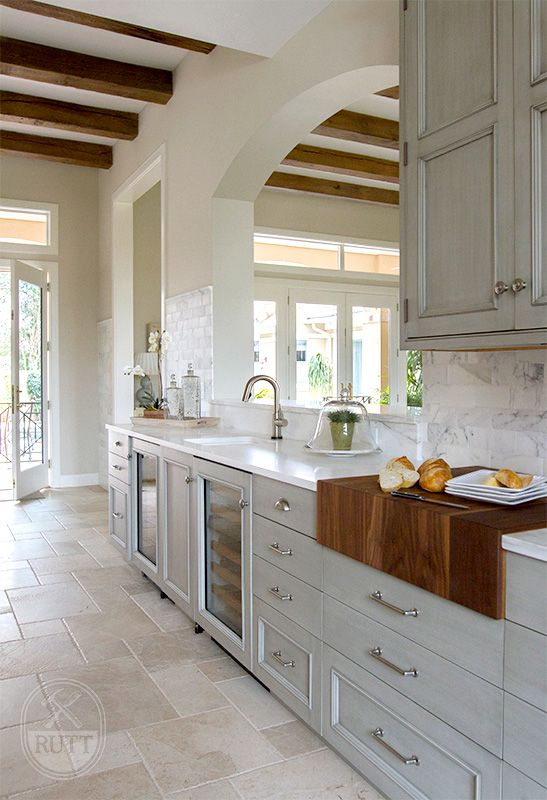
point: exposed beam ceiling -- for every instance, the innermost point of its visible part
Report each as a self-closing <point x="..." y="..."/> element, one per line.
<point x="343" y="163"/>
<point x="37" y="62"/>
<point x="354" y="127"/>
<point x="392" y="92"/>
<point x="107" y="24"/>
<point x="302" y="183"/>
<point x="39" y="111"/>
<point x="65" y="151"/>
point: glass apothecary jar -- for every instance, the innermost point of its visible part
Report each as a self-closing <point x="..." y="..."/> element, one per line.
<point x="343" y="428"/>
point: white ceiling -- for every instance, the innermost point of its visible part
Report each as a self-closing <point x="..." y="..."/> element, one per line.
<point x="260" y="27"/>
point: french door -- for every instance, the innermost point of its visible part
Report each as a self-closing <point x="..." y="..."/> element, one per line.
<point x="29" y="379"/>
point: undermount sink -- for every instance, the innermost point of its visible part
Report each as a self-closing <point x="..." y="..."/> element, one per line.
<point x="223" y="440"/>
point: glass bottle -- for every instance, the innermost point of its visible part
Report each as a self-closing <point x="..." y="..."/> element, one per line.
<point x="173" y="393"/>
<point x="191" y="394"/>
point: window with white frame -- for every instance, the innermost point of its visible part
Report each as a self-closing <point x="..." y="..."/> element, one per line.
<point x="312" y="334"/>
<point x="27" y="227"/>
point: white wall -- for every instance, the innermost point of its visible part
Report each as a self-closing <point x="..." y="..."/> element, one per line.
<point x="231" y="120"/>
<point x="75" y="190"/>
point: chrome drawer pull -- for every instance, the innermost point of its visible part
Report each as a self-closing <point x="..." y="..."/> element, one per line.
<point x="276" y="548"/>
<point x="282" y="505"/>
<point x="379" y="736"/>
<point x="117" y="515"/>
<point x="278" y="657"/>
<point x="117" y="466"/>
<point x="377" y="654"/>
<point x="277" y="592"/>
<point x="379" y="597"/>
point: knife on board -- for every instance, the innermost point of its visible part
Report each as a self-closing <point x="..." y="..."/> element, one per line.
<point x="415" y="496"/>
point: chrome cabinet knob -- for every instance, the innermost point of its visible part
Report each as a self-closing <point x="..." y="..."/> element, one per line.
<point x="518" y="285"/>
<point x="188" y="479"/>
<point x="243" y="504"/>
<point x="500" y="287"/>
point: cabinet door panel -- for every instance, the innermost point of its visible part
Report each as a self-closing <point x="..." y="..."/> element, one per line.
<point x="177" y="528"/>
<point x="531" y="162"/>
<point x="451" y="86"/>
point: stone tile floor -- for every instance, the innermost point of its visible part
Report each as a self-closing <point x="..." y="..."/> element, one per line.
<point x="181" y="719"/>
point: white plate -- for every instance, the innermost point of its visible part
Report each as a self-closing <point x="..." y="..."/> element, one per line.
<point x="488" y="490"/>
<point x="503" y="500"/>
<point x="476" y="480"/>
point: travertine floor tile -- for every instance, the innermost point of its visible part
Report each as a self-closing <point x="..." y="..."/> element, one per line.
<point x="221" y="669"/>
<point x="51" y="524"/>
<point x="46" y="628"/>
<point x="129" y="697"/>
<point x="68" y="548"/>
<point x="6" y="566"/>
<point x="17" y="774"/>
<point x="78" y="535"/>
<point x="17" y="578"/>
<point x="260" y="707"/>
<point x="124" y="783"/>
<point x="219" y="790"/>
<point x="160" y="651"/>
<point x="9" y="630"/>
<point x="206" y="747"/>
<point x="318" y="776"/>
<point x="188" y="690"/>
<point x="56" y="564"/>
<point x="13" y="694"/>
<point x="99" y="636"/>
<point x="57" y="577"/>
<point x="34" y="655"/>
<point x="162" y="611"/>
<point x="4" y="603"/>
<point x="20" y="551"/>
<point x="293" y="739"/>
<point x="119" y="751"/>
<point x="50" y="602"/>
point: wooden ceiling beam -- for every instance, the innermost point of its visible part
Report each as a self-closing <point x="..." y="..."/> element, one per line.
<point x="64" y="151"/>
<point x="41" y="112"/>
<point x="37" y="62"/>
<point x="302" y="183"/>
<point x="392" y="92"/>
<point x="107" y="24"/>
<point x="342" y="163"/>
<point x="354" y="127"/>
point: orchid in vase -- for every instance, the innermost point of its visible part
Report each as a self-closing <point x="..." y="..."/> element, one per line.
<point x="158" y="342"/>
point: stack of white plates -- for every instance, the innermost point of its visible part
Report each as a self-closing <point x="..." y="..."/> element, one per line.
<point x="472" y="486"/>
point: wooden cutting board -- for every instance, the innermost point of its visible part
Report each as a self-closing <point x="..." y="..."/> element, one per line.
<point x="451" y="552"/>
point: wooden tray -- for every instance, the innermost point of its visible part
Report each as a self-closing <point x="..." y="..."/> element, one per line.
<point x="451" y="552"/>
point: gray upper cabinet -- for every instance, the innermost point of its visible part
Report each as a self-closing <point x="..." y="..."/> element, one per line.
<point x="458" y="131"/>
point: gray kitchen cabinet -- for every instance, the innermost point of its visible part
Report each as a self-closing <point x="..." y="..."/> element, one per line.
<point x="119" y="521"/>
<point x="146" y="508"/>
<point x="460" y="141"/>
<point x="177" y="527"/>
<point x="223" y="560"/>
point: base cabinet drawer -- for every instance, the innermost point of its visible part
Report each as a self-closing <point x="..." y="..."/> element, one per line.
<point x="401" y="748"/>
<point x="525" y="673"/>
<point x="118" y="515"/>
<point x="289" y="595"/>
<point x="516" y="786"/>
<point x="294" y="552"/>
<point x="525" y="738"/>
<point x="118" y="443"/>
<point x="288" y="660"/>
<point x="468" y="703"/>
<point x="467" y="638"/>
<point x="118" y="467"/>
<point x="286" y="504"/>
<point x="526" y="592"/>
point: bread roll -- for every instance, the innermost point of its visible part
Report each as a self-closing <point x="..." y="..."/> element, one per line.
<point x="435" y="478"/>
<point x="508" y="478"/>
<point x="491" y="481"/>
<point x="390" y="480"/>
<point x="402" y="461"/>
<point x="526" y="480"/>
<point x="434" y="462"/>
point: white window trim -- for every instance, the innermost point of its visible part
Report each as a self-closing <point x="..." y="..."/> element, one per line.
<point x="34" y="249"/>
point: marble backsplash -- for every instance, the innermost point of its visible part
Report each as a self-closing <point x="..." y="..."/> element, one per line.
<point x="487" y="408"/>
<point x="189" y="320"/>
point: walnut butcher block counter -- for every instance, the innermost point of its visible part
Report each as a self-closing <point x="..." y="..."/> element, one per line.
<point x="452" y="552"/>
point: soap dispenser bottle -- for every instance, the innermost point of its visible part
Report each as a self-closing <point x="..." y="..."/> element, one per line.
<point x="191" y="394"/>
<point x="173" y="396"/>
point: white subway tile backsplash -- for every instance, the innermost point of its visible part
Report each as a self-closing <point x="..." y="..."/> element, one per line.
<point x="189" y="320"/>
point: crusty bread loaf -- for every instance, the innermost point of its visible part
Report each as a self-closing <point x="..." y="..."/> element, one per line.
<point x="433" y="462"/>
<point x="390" y="480"/>
<point x="508" y="478"/>
<point x="526" y="480"/>
<point x="491" y="481"/>
<point x="435" y="478"/>
<point x="402" y="461"/>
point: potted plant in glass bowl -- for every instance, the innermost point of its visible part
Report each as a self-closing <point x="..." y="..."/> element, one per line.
<point x="342" y="425"/>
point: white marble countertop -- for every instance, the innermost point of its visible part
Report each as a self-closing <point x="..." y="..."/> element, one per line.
<point x="527" y="543"/>
<point x="284" y="460"/>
